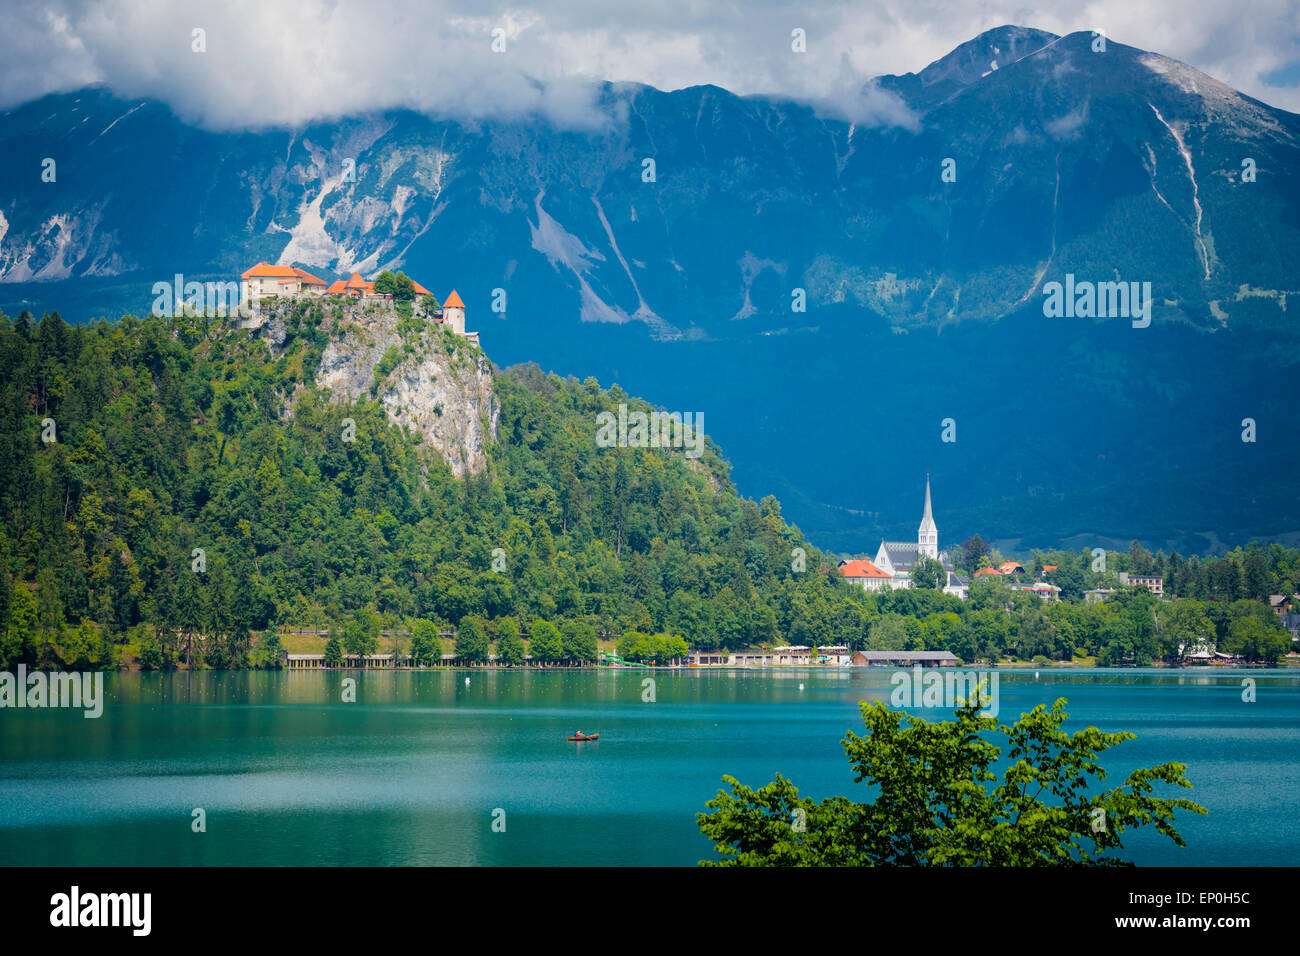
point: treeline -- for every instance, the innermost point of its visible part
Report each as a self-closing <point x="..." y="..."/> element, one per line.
<point x="160" y="501"/>
<point x="1132" y="627"/>
<point x="169" y="490"/>
<point x="1252" y="573"/>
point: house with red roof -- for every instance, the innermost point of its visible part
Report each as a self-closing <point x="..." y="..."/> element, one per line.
<point x="265" y="279"/>
<point x="1048" y="592"/>
<point x="862" y="572"/>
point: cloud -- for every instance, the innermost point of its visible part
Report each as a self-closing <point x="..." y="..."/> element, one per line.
<point x="287" y="62"/>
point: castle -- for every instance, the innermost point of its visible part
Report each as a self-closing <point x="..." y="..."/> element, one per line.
<point x="895" y="560"/>
<point x="265" y="280"/>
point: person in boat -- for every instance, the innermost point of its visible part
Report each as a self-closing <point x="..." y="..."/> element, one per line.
<point x="577" y="733"/>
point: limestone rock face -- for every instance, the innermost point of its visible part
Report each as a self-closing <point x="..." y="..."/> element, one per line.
<point x="435" y="383"/>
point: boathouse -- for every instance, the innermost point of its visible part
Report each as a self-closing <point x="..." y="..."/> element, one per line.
<point x="904" y="659"/>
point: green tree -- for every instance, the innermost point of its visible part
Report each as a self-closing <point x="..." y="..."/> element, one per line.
<point x="928" y="574"/>
<point x="545" y="643"/>
<point x="1182" y="628"/>
<point x="579" y="642"/>
<point x="358" y="636"/>
<point x="426" y="647"/>
<point x="510" y="647"/>
<point x="270" y="651"/>
<point x="333" y="652"/>
<point x="888" y="634"/>
<point x="404" y="287"/>
<point x="933" y="804"/>
<point x="471" y="641"/>
<point x="974" y="550"/>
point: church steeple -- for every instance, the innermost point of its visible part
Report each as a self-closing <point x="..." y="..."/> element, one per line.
<point x="927" y="537"/>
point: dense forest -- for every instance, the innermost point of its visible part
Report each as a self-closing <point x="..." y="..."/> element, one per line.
<point x="174" y="492"/>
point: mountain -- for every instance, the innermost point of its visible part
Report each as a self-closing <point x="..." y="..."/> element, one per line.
<point x="923" y="298"/>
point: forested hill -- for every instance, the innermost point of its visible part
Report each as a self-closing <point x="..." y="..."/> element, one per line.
<point x="187" y="483"/>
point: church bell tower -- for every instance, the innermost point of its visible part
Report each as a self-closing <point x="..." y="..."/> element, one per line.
<point x="927" y="537"/>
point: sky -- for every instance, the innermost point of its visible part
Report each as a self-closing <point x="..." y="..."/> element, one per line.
<point x="287" y="62"/>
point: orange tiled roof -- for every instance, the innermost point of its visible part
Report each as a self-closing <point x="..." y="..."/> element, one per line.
<point x="355" y="283"/>
<point x="453" y="301"/>
<point x="987" y="571"/>
<point x="264" y="270"/>
<point x="861" y="568"/>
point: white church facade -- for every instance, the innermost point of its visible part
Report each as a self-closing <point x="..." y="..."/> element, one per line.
<point x="895" y="560"/>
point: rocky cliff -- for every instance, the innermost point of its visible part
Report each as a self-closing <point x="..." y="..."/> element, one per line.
<point x="428" y="379"/>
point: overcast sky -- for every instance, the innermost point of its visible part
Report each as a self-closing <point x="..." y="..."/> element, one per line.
<point x="269" y="62"/>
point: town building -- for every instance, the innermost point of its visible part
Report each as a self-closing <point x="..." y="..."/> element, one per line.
<point x="955" y="584"/>
<point x="787" y="655"/>
<point x="1048" y="592"/>
<point x="298" y="662"/>
<point x="862" y="572"/>
<point x="1152" y="582"/>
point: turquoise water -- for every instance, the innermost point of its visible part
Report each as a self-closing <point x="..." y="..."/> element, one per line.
<point x="412" y="772"/>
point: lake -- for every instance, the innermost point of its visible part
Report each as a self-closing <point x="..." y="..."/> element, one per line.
<point x="411" y="773"/>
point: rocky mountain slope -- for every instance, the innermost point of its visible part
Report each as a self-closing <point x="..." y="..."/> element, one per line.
<point x="808" y="282"/>
<point x="428" y="380"/>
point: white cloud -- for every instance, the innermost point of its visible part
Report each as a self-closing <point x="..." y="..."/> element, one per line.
<point x="278" y="62"/>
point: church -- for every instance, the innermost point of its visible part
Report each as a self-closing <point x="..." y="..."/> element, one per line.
<point x="895" y="559"/>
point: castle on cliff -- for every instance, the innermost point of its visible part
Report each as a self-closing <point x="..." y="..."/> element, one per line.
<point x="265" y="280"/>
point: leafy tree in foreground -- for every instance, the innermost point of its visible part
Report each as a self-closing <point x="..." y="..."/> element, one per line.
<point x="934" y="808"/>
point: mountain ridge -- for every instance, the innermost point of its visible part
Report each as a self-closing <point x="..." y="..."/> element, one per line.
<point x="915" y="292"/>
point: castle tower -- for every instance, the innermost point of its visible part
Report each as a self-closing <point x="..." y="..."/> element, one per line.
<point x="453" y="313"/>
<point x="927" y="537"/>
